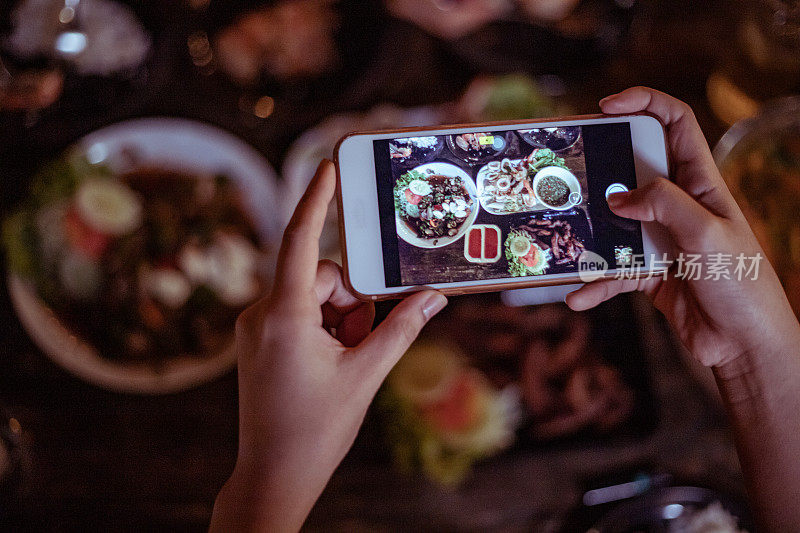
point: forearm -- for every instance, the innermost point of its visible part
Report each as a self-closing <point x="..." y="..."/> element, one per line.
<point x="762" y="396"/>
<point x="254" y="499"/>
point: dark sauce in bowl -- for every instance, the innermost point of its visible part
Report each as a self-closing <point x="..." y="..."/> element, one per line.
<point x="553" y="190"/>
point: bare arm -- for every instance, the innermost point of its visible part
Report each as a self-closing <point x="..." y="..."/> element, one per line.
<point x="744" y="329"/>
<point x="762" y="395"/>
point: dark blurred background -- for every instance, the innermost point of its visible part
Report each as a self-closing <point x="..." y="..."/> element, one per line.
<point x="89" y="459"/>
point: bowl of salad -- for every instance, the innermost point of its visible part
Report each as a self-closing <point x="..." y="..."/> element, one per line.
<point x="435" y="204"/>
<point x="525" y="254"/>
<point x="137" y="249"/>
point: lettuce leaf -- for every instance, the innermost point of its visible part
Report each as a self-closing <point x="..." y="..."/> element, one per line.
<point x="54" y="182"/>
<point x="400" y="186"/>
<point x="546" y="158"/>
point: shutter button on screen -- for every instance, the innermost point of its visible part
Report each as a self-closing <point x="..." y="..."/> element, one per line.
<point x="615" y="187"/>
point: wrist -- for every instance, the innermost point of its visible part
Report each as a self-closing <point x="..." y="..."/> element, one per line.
<point x="233" y="509"/>
<point x="265" y="496"/>
<point x="245" y="504"/>
<point x="737" y="379"/>
<point x="742" y="377"/>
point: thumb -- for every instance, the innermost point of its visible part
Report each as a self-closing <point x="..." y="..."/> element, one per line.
<point x="664" y="202"/>
<point x="390" y="340"/>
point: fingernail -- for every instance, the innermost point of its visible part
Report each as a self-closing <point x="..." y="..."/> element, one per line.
<point x="618" y="198"/>
<point x="433" y="304"/>
<point x="607" y="99"/>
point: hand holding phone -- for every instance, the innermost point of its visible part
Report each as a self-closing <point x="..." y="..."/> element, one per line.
<point x="308" y="369"/>
<point x="745" y="329"/>
<point x="487" y="207"/>
<point x="718" y="318"/>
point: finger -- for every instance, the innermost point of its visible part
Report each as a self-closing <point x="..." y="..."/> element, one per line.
<point x="351" y="317"/>
<point x="696" y="171"/>
<point x="356" y="324"/>
<point x="329" y="287"/>
<point x="390" y="340"/>
<point x="597" y="292"/>
<point x="688" y="222"/>
<point x="297" y="259"/>
<point x="686" y="139"/>
<point x="331" y="318"/>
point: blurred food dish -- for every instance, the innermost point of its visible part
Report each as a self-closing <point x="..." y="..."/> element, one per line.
<point x="676" y="510"/>
<point x="760" y="160"/>
<point x="509" y="97"/>
<point x="567" y="385"/>
<point x="29" y="90"/>
<point x="548" y="10"/>
<point x="15" y="463"/>
<point x="547" y="374"/>
<point x="291" y="39"/>
<point x="98" y="37"/>
<point x="449" y="20"/>
<point x="559" y="37"/>
<point x="442" y="415"/>
<point x="138" y="248"/>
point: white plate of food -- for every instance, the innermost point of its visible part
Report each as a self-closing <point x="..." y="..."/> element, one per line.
<point x="141" y="245"/>
<point x="435" y="204"/>
<point x="506" y="187"/>
<point x="479" y="147"/>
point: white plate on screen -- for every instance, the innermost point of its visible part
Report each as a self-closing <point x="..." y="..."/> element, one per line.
<point x="445" y="169"/>
<point x="176" y="144"/>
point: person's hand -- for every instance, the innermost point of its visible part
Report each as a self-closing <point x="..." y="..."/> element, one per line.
<point x="308" y="369"/>
<point x="717" y="320"/>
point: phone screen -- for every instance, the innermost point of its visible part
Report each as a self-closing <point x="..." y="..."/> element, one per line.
<point x="500" y="204"/>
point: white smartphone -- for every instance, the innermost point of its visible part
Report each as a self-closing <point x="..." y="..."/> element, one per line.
<point x="496" y="206"/>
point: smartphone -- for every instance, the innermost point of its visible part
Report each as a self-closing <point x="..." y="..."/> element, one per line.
<point x="496" y="206"/>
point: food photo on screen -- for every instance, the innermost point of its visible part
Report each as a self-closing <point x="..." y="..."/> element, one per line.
<point x="503" y="203"/>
